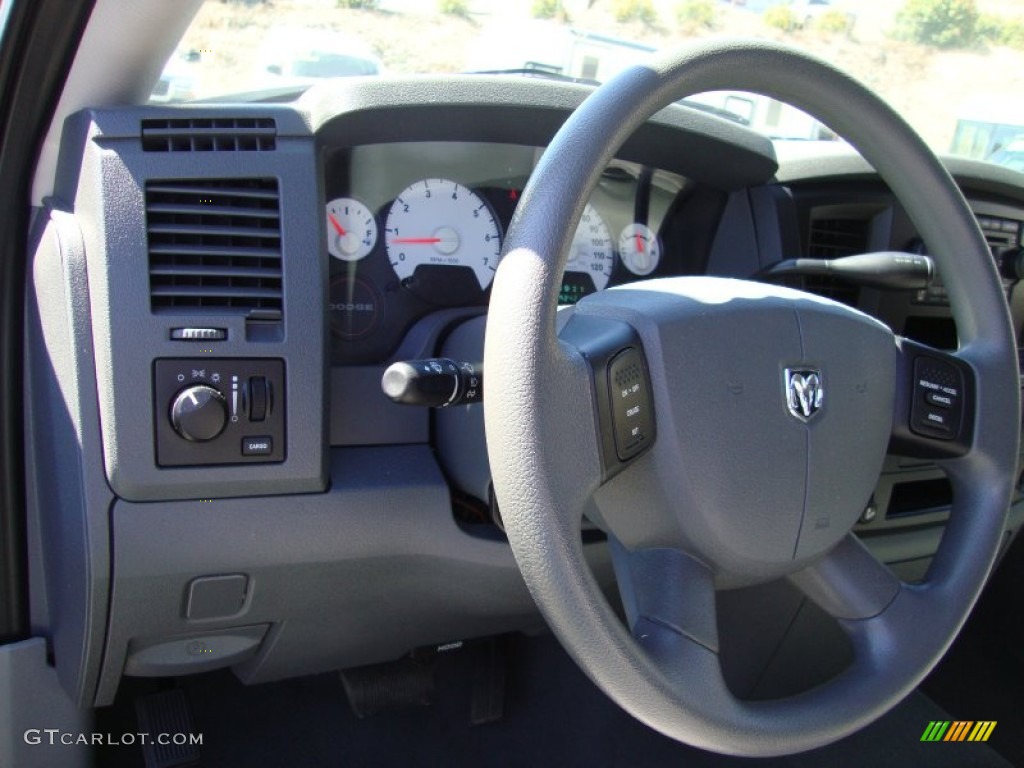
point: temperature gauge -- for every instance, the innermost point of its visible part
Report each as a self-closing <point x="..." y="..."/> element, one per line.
<point x="351" y="229"/>
<point x="639" y="249"/>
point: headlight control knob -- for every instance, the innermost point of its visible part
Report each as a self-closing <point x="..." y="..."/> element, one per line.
<point x="199" y="413"/>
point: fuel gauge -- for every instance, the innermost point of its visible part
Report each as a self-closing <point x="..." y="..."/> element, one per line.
<point x="351" y="229"/>
<point x="639" y="249"/>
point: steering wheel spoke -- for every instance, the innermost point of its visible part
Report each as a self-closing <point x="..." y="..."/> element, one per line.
<point x="935" y="403"/>
<point x="666" y="590"/>
<point x="849" y="582"/>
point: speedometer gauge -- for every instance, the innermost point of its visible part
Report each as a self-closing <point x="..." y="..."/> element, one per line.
<point x="591" y="258"/>
<point x="438" y="226"/>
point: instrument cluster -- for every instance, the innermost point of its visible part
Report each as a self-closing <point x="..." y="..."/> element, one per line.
<point x="416" y="227"/>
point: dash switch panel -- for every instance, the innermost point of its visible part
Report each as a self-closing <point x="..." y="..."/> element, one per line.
<point x="218" y="411"/>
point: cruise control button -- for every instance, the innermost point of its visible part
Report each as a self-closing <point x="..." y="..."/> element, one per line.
<point x="940" y="400"/>
<point x="632" y="415"/>
<point x="938" y="420"/>
<point x="257" y="446"/>
<point x="937" y="407"/>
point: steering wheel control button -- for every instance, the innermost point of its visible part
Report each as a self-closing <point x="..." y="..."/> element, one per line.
<point x="939" y="400"/>
<point x="632" y="414"/>
<point x="198" y="334"/>
<point x="937" y="409"/>
<point x="257" y="446"/>
<point x="198" y="413"/>
<point x="207" y="409"/>
<point x="938" y="420"/>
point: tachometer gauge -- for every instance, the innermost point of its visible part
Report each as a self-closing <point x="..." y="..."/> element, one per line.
<point x="440" y="236"/>
<point x="351" y="229"/>
<point x="639" y="249"/>
<point x="591" y="258"/>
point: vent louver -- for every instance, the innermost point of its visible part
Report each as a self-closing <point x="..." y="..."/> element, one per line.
<point x="214" y="245"/>
<point x="833" y="238"/>
<point x="222" y="134"/>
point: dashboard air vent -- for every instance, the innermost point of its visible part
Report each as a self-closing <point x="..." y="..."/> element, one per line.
<point x="220" y="134"/>
<point x="214" y="245"/>
<point x="834" y="237"/>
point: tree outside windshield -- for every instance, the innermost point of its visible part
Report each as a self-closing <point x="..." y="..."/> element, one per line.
<point x="953" y="68"/>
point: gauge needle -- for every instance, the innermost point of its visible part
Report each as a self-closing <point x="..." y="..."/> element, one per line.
<point x="639" y="243"/>
<point x="336" y="224"/>
<point x="416" y="240"/>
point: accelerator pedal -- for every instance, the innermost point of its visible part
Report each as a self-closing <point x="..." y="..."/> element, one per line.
<point x="488" y="704"/>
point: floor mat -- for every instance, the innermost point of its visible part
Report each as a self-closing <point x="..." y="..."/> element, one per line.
<point x="982" y="676"/>
<point x="554" y="716"/>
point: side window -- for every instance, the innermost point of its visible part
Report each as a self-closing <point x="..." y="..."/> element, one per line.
<point x="5" y="11"/>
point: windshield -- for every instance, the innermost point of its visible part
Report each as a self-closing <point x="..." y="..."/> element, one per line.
<point x="953" y="68"/>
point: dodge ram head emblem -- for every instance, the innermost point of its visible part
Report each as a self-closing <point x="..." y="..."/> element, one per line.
<point x="804" y="392"/>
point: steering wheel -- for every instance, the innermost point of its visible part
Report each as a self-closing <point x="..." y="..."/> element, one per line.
<point x="725" y="433"/>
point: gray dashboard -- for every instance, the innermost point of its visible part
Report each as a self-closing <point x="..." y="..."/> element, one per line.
<point x="186" y="251"/>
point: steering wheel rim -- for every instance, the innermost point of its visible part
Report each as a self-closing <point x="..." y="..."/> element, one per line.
<point x="546" y="458"/>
